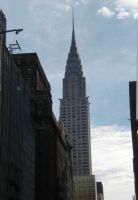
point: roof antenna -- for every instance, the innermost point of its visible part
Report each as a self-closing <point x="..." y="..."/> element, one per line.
<point x="13" y="47"/>
<point x="73" y="17"/>
<point x="73" y="28"/>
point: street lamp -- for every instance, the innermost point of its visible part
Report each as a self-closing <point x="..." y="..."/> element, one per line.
<point x="12" y="30"/>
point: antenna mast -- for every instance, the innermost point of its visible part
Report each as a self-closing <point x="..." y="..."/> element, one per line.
<point x="73" y="17"/>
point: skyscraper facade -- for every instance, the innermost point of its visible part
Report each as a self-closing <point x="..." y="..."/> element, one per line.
<point x="74" y="111"/>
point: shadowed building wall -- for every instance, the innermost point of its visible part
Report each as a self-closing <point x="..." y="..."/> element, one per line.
<point x="30" y="138"/>
<point x="32" y="72"/>
<point x="100" y="193"/>
<point x="134" y="131"/>
<point x="17" y="136"/>
<point x="52" y="155"/>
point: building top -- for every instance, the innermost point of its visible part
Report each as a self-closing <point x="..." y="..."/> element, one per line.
<point x="73" y="61"/>
<point x="3" y="26"/>
<point x="2" y="15"/>
<point x="84" y="188"/>
<point x="29" y="59"/>
<point x="74" y="85"/>
<point x="99" y="187"/>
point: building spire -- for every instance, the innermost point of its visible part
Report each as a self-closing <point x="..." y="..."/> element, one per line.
<point x="73" y="43"/>
<point x="73" y="56"/>
<point x="72" y="18"/>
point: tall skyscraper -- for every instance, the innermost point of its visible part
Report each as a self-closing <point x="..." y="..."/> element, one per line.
<point x="74" y="111"/>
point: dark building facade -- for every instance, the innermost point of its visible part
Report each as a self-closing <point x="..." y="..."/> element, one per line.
<point x="17" y="136"/>
<point x="32" y="72"/>
<point x="100" y="192"/>
<point x="53" y="161"/>
<point x="134" y="130"/>
<point x="64" y="165"/>
<point x="35" y="156"/>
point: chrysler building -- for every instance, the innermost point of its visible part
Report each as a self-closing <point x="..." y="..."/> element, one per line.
<point x="74" y="111"/>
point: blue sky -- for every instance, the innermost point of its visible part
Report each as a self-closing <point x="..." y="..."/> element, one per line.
<point x="107" y="47"/>
<point x="106" y="40"/>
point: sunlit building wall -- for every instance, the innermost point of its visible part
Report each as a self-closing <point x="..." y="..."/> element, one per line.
<point x="84" y="188"/>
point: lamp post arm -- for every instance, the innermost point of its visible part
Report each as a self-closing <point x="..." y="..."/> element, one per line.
<point x="13" y="30"/>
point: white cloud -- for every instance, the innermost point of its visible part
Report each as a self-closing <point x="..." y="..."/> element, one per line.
<point x="129" y="4"/>
<point x="123" y="15"/>
<point x="126" y="8"/>
<point x="112" y="161"/>
<point x="136" y="16"/>
<point x="122" y="9"/>
<point x="135" y="13"/>
<point x="106" y="12"/>
<point x="53" y="76"/>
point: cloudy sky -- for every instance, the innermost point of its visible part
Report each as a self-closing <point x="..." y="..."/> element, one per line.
<point x="106" y="40"/>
